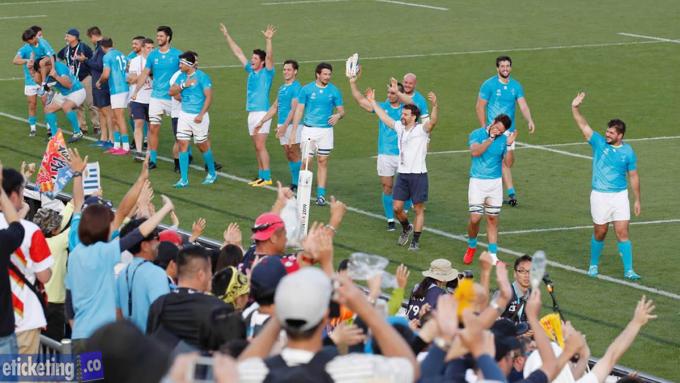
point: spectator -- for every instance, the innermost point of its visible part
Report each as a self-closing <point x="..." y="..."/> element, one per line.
<point x="141" y="282"/>
<point x="74" y="54"/>
<point x="11" y="237"/>
<point x="521" y="289"/>
<point x="101" y="97"/>
<point x="264" y="279"/>
<point x="185" y="312"/>
<point x="269" y="234"/>
<point x="50" y="223"/>
<point x="431" y="287"/>
<point x="167" y="260"/>
<point x="29" y="269"/>
<point x="231" y="286"/>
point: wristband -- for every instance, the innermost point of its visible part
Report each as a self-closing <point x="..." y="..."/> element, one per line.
<point x="494" y="304"/>
<point x="334" y="230"/>
<point x="77" y="174"/>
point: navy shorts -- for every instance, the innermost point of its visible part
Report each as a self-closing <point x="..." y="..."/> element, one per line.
<point x="101" y="97"/>
<point x="411" y="186"/>
<point x="139" y="111"/>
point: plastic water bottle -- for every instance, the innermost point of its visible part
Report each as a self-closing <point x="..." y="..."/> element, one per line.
<point x="538" y="262"/>
<point x="364" y="266"/>
<point x="289" y="216"/>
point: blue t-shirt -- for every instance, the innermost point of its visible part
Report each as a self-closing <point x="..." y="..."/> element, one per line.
<point x="388" y="139"/>
<point x="45" y="47"/>
<point x="148" y="282"/>
<point x="25" y="53"/>
<point x="489" y="165"/>
<point x="501" y="98"/>
<point x="319" y="104"/>
<point x="287" y="94"/>
<point x="90" y="278"/>
<point x="258" y="86"/>
<point x="62" y="70"/>
<point x="116" y="61"/>
<point x="193" y="97"/>
<point x="131" y="55"/>
<point x="421" y="103"/>
<point x="611" y="164"/>
<point x="162" y="65"/>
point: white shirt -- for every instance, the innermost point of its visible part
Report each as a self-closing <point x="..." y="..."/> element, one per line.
<point x="176" y="105"/>
<point x="346" y="368"/>
<point x="412" y="148"/>
<point x="137" y="67"/>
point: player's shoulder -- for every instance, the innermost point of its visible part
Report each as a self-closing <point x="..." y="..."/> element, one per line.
<point x="175" y="52"/>
<point x="491" y="81"/>
<point x="478" y="132"/>
<point x="514" y="82"/>
<point x="309" y="86"/>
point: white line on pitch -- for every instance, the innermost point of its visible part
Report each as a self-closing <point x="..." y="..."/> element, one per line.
<point x="457" y="53"/>
<point x="11" y="79"/>
<point x="21" y="17"/>
<point x="413" y="5"/>
<point x="428" y="229"/>
<point x="44" y="2"/>
<point x="303" y="2"/>
<point x="655" y="38"/>
<point x="547" y="230"/>
<point x="540" y="147"/>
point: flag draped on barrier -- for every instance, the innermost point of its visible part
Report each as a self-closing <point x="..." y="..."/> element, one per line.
<point x="54" y="171"/>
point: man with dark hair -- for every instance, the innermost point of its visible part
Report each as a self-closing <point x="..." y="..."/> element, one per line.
<point x="412" y="184"/>
<point x="264" y="279"/>
<point x="161" y="63"/>
<point x="141" y="282"/>
<point x="114" y="74"/>
<point x="613" y="159"/>
<point x="185" y="313"/>
<point x="388" y="146"/>
<point x="284" y="106"/>
<point x="521" y="289"/>
<point x="260" y="71"/>
<point x="497" y="96"/>
<point x="489" y="150"/>
<point x="316" y="103"/>
<point x="71" y="56"/>
<point x="101" y="97"/>
<point x="139" y="108"/>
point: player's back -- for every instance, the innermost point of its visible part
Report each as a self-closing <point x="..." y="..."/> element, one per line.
<point x="116" y="61"/>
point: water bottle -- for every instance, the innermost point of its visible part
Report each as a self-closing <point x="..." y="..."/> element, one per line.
<point x="538" y="262"/>
<point x="290" y="220"/>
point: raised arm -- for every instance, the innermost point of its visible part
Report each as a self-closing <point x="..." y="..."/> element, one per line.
<point x="509" y="158"/>
<point x="235" y="49"/>
<point x="358" y="96"/>
<point x="578" y="117"/>
<point x="434" y="114"/>
<point x="480" y="108"/>
<point x="403" y="97"/>
<point x="130" y="198"/>
<point x="533" y="309"/>
<point x="77" y="165"/>
<point x="526" y="112"/>
<point x="152" y="222"/>
<point x="268" y="35"/>
<point x="477" y="149"/>
<point x="382" y="115"/>
<point x="635" y="184"/>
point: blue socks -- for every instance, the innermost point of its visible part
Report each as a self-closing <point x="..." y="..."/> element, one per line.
<point x="207" y="158"/>
<point x="72" y="117"/>
<point x="493" y="248"/>
<point x="266" y="174"/>
<point x="51" y="120"/>
<point x="595" y="251"/>
<point x="153" y="155"/>
<point x="125" y="140"/>
<point x="626" y="252"/>
<point x="511" y="192"/>
<point x="259" y="174"/>
<point x="116" y="140"/>
<point x="387" y="206"/>
<point x="408" y="204"/>
<point x="184" y="166"/>
<point x="32" y="120"/>
<point x="294" y="171"/>
<point x="320" y="191"/>
<point x="472" y="243"/>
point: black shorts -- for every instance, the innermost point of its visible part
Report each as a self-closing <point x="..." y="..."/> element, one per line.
<point x="411" y="186"/>
<point x="101" y="97"/>
<point x="174" y="122"/>
<point x="139" y="111"/>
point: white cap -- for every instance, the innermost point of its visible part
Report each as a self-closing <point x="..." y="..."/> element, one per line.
<point x="302" y="299"/>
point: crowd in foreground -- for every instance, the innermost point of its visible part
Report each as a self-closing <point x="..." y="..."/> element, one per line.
<point x="161" y="307"/>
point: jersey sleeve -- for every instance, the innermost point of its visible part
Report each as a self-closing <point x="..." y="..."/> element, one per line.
<point x="597" y="141"/>
<point x="119" y="289"/>
<point x="632" y="161"/>
<point x="73" y="239"/>
<point x="302" y="96"/>
<point x="149" y="60"/>
<point x="112" y="252"/>
<point x="47" y="47"/>
<point x="40" y="252"/>
<point x="206" y="82"/>
<point x="519" y="90"/>
<point x="338" y="98"/>
<point x="485" y="91"/>
<point x="474" y="138"/>
<point x="248" y="68"/>
<point x="107" y="61"/>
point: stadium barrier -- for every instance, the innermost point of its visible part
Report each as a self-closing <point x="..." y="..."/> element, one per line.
<point x="48" y="345"/>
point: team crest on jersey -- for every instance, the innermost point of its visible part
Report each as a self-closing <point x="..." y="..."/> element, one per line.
<point x="313" y="96"/>
<point x="498" y="92"/>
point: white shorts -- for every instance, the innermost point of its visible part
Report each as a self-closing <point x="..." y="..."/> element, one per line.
<point x="321" y="140"/>
<point x="609" y="207"/>
<point x="187" y="128"/>
<point x="119" y="100"/>
<point x="485" y="196"/>
<point x="507" y="133"/>
<point x="253" y="119"/>
<point x="284" y="139"/>
<point x="176" y="109"/>
<point x="387" y="165"/>
<point x="158" y="108"/>
<point x="77" y="97"/>
<point x="30" y="90"/>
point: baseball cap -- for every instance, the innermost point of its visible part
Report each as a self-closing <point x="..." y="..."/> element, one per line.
<point x="265" y="278"/>
<point x="265" y="225"/>
<point x="96" y="200"/>
<point x="73" y="32"/>
<point x="169" y="235"/>
<point x="302" y="299"/>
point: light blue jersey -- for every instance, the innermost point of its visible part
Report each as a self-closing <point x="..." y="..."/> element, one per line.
<point x="489" y="165"/>
<point x="501" y="98"/>
<point x="611" y="164"/>
<point x="287" y="93"/>
<point x="421" y="103"/>
<point x="25" y="53"/>
<point x="193" y="97"/>
<point x="162" y="65"/>
<point x="388" y="139"/>
<point x="116" y="61"/>
<point x="46" y="47"/>
<point x="258" y="87"/>
<point x="62" y="70"/>
<point x="319" y="104"/>
<point x="144" y="282"/>
<point x="131" y="55"/>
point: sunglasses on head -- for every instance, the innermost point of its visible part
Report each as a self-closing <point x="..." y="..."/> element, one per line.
<point x="263" y="226"/>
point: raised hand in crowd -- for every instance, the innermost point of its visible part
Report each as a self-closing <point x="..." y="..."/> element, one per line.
<point x="232" y="235"/>
<point x="197" y="229"/>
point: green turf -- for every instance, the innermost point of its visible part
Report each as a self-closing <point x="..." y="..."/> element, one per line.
<point x="636" y="82"/>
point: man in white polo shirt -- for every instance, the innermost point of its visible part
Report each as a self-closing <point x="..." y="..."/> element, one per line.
<point x="412" y="181"/>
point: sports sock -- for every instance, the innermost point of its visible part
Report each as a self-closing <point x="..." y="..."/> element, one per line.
<point x="595" y="251"/>
<point x="294" y="171"/>
<point x="184" y="166"/>
<point x="493" y="248"/>
<point x="408" y="204"/>
<point x="266" y="174"/>
<point x="51" y="120"/>
<point x="320" y="191"/>
<point x="209" y="160"/>
<point x="125" y="140"/>
<point x="472" y="243"/>
<point x="146" y="128"/>
<point x="72" y="117"/>
<point x="32" y="120"/>
<point x="259" y="174"/>
<point x="387" y="206"/>
<point x="626" y="251"/>
<point x="416" y="236"/>
<point x="153" y="155"/>
<point x="176" y="163"/>
<point x="405" y="224"/>
<point x="511" y="192"/>
<point x="116" y="140"/>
